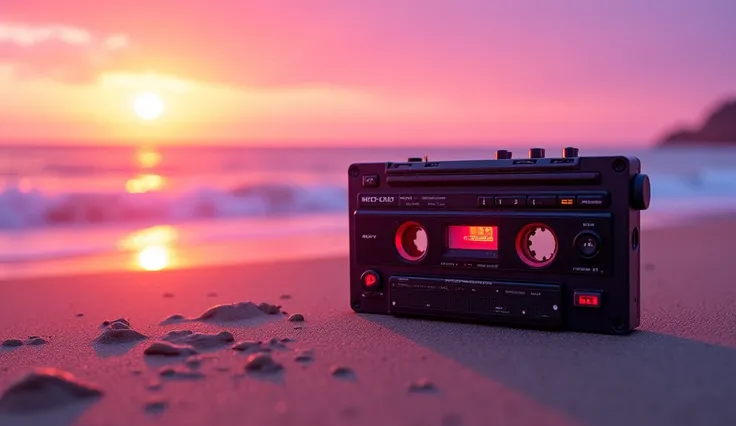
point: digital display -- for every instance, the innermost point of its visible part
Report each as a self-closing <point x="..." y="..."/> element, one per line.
<point x="462" y="237"/>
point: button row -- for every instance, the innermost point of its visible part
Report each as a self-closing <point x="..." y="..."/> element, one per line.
<point x="596" y="200"/>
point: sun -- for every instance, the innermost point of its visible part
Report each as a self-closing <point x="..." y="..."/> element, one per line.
<point x="148" y="106"/>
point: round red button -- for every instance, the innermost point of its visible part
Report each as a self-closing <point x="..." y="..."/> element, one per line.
<point x="371" y="280"/>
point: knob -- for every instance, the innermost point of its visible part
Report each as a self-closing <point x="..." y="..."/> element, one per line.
<point x="587" y="244"/>
<point x="415" y="159"/>
<point x="502" y="154"/>
<point x="640" y="192"/>
<point x="569" y="152"/>
<point x="536" y="153"/>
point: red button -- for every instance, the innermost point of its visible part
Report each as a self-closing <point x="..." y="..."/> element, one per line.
<point x="371" y="280"/>
<point x="588" y="299"/>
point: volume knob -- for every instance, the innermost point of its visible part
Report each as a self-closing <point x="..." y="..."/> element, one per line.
<point x="536" y="153"/>
<point x="502" y="154"/>
<point x="569" y="152"/>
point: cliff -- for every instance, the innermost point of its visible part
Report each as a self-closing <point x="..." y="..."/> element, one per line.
<point x="719" y="128"/>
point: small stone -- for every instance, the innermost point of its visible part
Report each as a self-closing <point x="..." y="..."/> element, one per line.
<point x="262" y="362"/>
<point x="212" y="294"/>
<point x="37" y="341"/>
<point x="11" y="343"/>
<point x="422" y="385"/>
<point x="154" y="385"/>
<point x="80" y="314"/>
<point x="296" y="318"/>
<point x="285" y="296"/>
<point x="156" y="405"/>
<point x="341" y="371"/>
<point x="247" y="345"/>
<point x="304" y="356"/>
<point x="168" y="295"/>
<point x="269" y="308"/>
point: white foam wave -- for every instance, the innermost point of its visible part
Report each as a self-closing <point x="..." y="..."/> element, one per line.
<point x="30" y="208"/>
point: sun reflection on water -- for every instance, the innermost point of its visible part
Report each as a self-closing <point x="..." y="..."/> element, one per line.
<point x="145" y="183"/>
<point x="152" y="247"/>
<point x="154" y="258"/>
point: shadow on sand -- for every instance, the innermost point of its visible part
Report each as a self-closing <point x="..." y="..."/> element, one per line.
<point x="644" y="378"/>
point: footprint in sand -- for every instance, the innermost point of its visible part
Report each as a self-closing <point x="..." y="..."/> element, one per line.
<point x="44" y="389"/>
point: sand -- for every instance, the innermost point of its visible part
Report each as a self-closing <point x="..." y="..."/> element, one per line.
<point x="231" y="357"/>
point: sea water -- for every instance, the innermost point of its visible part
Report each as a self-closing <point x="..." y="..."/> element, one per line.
<point x="63" y="201"/>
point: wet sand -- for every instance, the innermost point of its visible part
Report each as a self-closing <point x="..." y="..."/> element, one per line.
<point x="237" y="351"/>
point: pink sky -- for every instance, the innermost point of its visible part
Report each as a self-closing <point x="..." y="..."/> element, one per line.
<point x="383" y="70"/>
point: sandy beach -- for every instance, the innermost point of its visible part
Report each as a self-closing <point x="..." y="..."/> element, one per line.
<point x="336" y="367"/>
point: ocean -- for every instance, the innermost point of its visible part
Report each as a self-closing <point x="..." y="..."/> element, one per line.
<point x="58" y="202"/>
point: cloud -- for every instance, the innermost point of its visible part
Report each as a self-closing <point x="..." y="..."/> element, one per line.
<point x="60" y="52"/>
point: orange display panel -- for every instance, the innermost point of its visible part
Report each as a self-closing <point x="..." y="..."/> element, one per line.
<point x="464" y="237"/>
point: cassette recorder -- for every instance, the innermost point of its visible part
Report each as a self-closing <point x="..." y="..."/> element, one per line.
<point x="534" y="242"/>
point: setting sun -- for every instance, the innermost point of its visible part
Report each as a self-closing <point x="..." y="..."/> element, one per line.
<point x="148" y="106"/>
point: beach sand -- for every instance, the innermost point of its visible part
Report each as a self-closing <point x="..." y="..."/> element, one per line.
<point x="337" y="368"/>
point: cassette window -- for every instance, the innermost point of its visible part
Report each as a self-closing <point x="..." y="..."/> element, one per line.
<point x="472" y="241"/>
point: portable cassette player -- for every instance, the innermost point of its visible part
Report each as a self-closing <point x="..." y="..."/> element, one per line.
<point x="537" y="242"/>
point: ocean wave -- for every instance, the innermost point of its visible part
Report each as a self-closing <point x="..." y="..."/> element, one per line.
<point x="28" y="208"/>
<point x="31" y="208"/>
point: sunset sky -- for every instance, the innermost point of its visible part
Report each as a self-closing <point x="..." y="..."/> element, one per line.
<point x="346" y="70"/>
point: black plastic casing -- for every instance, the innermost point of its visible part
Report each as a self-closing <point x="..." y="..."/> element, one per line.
<point x="599" y="293"/>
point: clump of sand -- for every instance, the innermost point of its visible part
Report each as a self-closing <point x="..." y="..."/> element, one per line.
<point x="262" y="363"/>
<point x="46" y="388"/>
<point x="179" y="373"/>
<point x="238" y="312"/>
<point x="199" y="340"/>
<point x="249" y="345"/>
<point x="168" y="349"/>
<point x="173" y="319"/>
<point x="36" y="341"/>
<point x="229" y="313"/>
<point x="260" y="346"/>
<point x="118" y="331"/>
